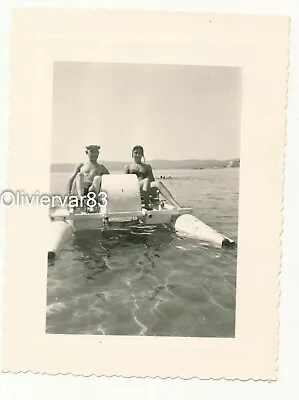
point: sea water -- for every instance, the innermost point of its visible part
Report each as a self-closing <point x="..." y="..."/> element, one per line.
<point x="151" y="281"/>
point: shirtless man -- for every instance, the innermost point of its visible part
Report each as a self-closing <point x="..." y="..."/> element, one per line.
<point x="146" y="178"/>
<point x="88" y="176"/>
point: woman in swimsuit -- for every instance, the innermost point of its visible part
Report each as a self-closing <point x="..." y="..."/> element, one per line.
<point x="146" y="178"/>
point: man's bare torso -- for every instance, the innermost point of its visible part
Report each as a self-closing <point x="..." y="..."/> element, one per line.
<point x="91" y="170"/>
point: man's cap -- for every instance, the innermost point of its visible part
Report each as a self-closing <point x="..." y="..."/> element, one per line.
<point x="92" y="146"/>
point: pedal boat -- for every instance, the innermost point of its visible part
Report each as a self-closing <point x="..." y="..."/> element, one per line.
<point x="125" y="208"/>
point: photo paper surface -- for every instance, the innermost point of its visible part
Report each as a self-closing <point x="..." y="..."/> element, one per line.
<point x="145" y="193"/>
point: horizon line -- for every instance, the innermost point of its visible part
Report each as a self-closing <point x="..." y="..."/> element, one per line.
<point x="158" y="159"/>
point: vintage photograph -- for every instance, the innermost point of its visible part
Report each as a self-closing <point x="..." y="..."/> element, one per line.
<point x="144" y="198"/>
<point x="145" y="174"/>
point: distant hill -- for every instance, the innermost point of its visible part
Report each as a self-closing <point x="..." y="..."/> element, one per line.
<point x="160" y="164"/>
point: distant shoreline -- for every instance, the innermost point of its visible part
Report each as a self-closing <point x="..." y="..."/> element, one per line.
<point x="160" y="165"/>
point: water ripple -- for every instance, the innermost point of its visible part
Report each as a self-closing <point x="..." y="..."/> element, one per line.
<point x="147" y="281"/>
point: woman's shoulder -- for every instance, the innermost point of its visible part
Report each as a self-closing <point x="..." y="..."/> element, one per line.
<point x="128" y="166"/>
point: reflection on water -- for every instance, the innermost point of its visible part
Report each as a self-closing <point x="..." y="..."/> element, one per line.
<point x="149" y="281"/>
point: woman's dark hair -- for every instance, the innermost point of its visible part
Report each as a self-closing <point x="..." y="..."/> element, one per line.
<point x="138" y="147"/>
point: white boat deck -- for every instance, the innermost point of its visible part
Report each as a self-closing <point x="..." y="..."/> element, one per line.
<point x="69" y="215"/>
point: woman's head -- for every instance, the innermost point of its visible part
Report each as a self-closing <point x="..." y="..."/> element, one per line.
<point x="137" y="153"/>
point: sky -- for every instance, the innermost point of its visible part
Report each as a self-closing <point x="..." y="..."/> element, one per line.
<point x="175" y="112"/>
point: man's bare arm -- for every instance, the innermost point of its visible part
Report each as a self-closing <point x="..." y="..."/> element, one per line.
<point x="73" y="176"/>
<point x="127" y="169"/>
<point x="104" y="170"/>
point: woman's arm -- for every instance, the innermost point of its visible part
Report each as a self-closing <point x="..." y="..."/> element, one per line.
<point x="127" y="169"/>
<point x="150" y="173"/>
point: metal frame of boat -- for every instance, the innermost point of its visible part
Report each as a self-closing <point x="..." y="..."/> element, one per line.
<point x="125" y="208"/>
